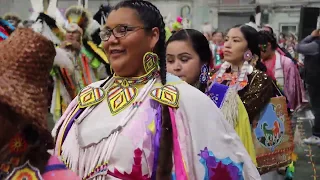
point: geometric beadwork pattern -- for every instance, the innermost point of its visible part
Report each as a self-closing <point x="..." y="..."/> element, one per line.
<point x="150" y="62"/>
<point x="25" y="172"/>
<point x="123" y="91"/>
<point x="90" y="96"/>
<point x="168" y="95"/>
<point x="121" y="96"/>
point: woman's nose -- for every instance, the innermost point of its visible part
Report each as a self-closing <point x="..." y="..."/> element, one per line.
<point x="177" y="66"/>
<point x="113" y="39"/>
<point x="227" y="44"/>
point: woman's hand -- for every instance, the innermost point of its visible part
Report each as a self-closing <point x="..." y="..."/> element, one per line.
<point x="315" y="33"/>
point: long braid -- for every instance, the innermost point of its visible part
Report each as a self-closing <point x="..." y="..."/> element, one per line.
<point x="151" y="17"/>
<point x="165" y="162"/>
<point x="161" y="51"/>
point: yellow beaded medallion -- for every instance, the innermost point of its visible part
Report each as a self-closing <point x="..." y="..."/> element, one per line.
<point x="123" y="91"/>
<point x="168" y="95"/>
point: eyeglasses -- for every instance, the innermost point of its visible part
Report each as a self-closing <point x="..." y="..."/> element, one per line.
<point x="118" y="31"/>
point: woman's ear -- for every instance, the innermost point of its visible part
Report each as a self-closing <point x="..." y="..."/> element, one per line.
<point x="155" y="34"/>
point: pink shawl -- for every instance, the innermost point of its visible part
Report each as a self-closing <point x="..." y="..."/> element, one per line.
<point x="57" y="170"/>
<point x="293" y="87"/>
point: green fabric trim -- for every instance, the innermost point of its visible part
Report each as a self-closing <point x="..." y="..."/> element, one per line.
<point x="54" y="72"/>
<point x="87" y="53"/>
<point x="95" y="63"/>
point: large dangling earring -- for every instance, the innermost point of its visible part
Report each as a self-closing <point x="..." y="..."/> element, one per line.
<point x="248" y="56"/>
<point x="204" y="74"/>
<point x="150" y="61"/>
<point x="254" y="60"/>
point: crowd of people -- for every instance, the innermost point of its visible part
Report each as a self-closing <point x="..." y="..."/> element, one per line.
<point x="134" y="99"/>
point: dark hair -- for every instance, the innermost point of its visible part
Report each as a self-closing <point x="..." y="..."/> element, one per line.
<point x="283" y="34"/>
<point x="266" y="37"/>
<point x="217" y="32"/>
<point x="258" y="9"/>
<point x="252" y="37"/>
<point x="102" y="13"/>
<point x="270" y="29"/>
<point x="151" y="17"/>
<point x="252" y="19"/>
<point x="199" y="43"/>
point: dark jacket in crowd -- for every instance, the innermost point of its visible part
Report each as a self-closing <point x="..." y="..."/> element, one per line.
<point x="310" y="48"/>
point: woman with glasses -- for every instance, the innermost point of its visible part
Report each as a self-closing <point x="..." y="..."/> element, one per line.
<point x="143" y="123"/>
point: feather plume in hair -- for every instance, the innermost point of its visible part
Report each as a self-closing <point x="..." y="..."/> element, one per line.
<point x="79" y="16"/>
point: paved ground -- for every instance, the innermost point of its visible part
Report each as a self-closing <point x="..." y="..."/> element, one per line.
<point x="308" y="164"/>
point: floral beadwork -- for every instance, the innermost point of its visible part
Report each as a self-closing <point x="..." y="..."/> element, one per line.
<point x="26" y="171"/>
<point x="18" y="144"/>
<point x="217" y="169"/>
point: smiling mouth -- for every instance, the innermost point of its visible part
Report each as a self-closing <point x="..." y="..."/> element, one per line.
<point x="226" y="53"/>
<point x="116" y="51"/>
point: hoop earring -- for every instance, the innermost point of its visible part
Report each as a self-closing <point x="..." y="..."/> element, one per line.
<point x="204" y="75"/>
<point x="248" y="55"/>
<point x="150" y="61"/>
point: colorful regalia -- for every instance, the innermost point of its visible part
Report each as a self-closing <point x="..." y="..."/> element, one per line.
<point x="111" y="130"/>
<point x="91" y="58"/>
<point x="271" y="129"/>
<point x="48" y="22"/>
<point x="75" y="69"/>
<point x="5" y="29"/>
<point x="25" y="139"/>
<point x="217" y="55"/>
<point x="228" y="100"/>
<point x="285" y="72"/>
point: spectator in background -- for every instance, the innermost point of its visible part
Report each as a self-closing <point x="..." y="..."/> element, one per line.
<point x="218" y="38"/>
<point x="282" y="40"/>
<point x="290" y="44"/>
<point x="310" y="47"/>
<point x="282" y="70"/>
<point x="281" y="50"/>
<point x="208" y="36"/>
<point x="217" y="47"/>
